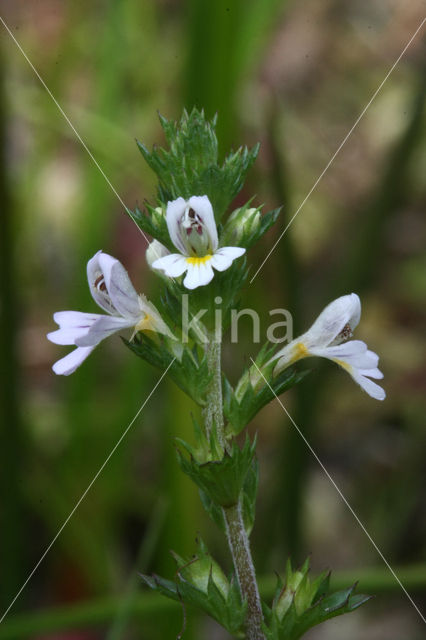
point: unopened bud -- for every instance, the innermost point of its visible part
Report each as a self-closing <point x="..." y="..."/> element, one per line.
<point x="157" y="215"/>
<point x="198" y="573"/>
<point x="241" y="225"/>
<point x="155" y="250"/>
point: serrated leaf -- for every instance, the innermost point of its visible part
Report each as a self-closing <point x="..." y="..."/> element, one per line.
<point x="222" y="480"/>
<point x="149" y="227"/>
<point x="190" y="165"/>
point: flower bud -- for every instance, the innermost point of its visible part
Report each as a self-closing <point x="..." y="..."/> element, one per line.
<point x="289" y="592"/>
<point x="155" y="250"/>
<point x="241" y="226"/>
<point x="198" y="573"/>
<point x="158" y="215"/>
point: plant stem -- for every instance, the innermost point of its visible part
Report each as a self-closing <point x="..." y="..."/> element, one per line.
<point x="235" y="531"/>
<point x="243" y="563"/>
<point x="213" y="412"/>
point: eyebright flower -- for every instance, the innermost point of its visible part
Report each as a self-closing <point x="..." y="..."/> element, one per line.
<point x="328" y="337"/>
<point x="112" y="290"/>
<point x="192" y="229"/>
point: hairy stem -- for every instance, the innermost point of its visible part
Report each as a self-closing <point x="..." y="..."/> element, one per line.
<point x="235" y="531"/>
<point x="213" y="412"/>
<point x="239" y="544"/>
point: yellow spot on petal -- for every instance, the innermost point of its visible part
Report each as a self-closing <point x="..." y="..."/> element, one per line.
<point x="197" y="261"/>
<point x="299" y="351"/>
<point x="146" y="324"/>
<point x="343" y="364"/>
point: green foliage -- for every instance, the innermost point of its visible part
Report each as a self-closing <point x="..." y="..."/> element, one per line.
<point x="220" y="480"/>
<point x="187" y="368"/>
<point x="247" y="499"/>
<point x="301" y="604"/>
<point x="190" y="166"/>
<point x="252" y="393"/>
<point x="201" y="582"/>
<point x="205" y="307"/>
<point x="237" y="474"/>
<point x="152" y="223"/>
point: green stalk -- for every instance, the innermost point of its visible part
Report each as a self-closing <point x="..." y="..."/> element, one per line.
<point x="235" y="531"/>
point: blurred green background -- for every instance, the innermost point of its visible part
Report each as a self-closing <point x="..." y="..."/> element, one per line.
<point x="295" y="76"/>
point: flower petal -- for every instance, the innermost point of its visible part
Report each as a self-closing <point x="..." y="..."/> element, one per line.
<point x="372" y="373"/>
<point x="102" y="328"/>
<point x="120" y="289"/>
<point x="69" y="364"/>
<point x="175" y="210"/>
<point x="72" y="325"/>
<point x="354" y="352"/>
<point x="327" y="327"/>
<point x="173" y="265"/>
<point x="224" y="257"/>
<point x="77" y="319"/>
<point x="373" y="389"/>
<point x="95" y="276"/>
<point x="198" y="275"/>
<point x="65" y="336"/>
<point x="202" y="206"/>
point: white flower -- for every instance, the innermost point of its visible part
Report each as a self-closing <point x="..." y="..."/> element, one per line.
<point x="326" y="338"/>
<point x="192" y="229"/>
<point x="112" y="290"/>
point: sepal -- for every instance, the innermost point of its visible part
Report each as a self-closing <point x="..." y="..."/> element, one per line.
<point x="201" y="582"/>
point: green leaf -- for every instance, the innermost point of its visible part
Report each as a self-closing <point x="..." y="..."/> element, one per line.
<point x="240" y="413"/>
<point x="152" y="224"/>
<point x="189" y="372"/>
<point x="222" y="480"/>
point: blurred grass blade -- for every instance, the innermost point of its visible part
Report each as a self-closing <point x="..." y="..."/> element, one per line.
<point x="12" y="523"/>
